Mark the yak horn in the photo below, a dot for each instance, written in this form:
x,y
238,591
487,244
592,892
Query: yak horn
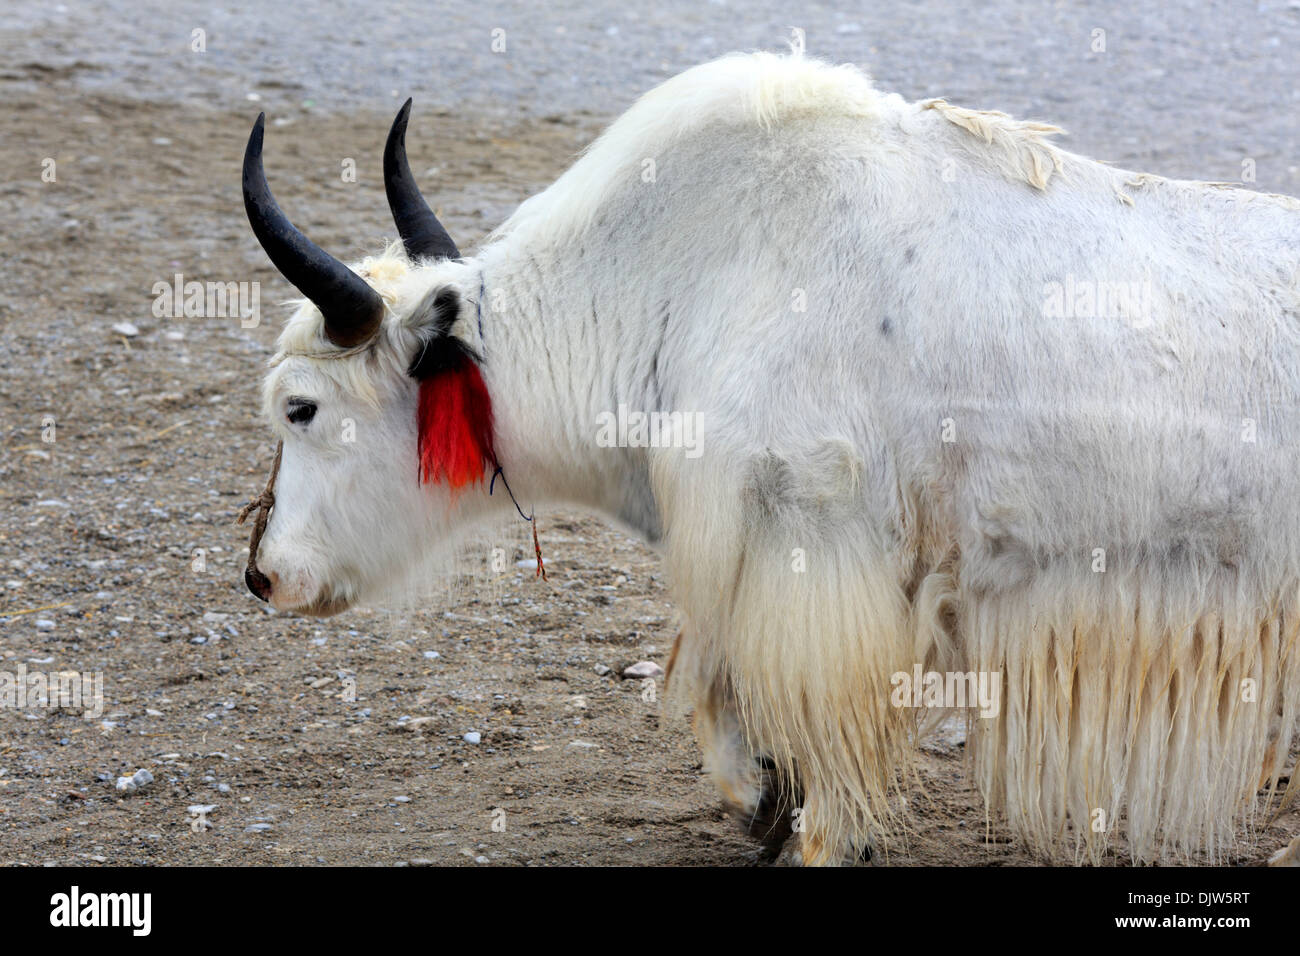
x,y
352,309
422,234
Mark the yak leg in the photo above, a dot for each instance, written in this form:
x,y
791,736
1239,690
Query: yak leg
x,y
756,793
1287,856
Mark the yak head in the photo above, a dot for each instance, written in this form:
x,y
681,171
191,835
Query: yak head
x,y
377,397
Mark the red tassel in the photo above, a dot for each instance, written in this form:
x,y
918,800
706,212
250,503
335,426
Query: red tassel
x,y
455,423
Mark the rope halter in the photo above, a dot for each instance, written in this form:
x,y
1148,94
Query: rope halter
x,y
258,582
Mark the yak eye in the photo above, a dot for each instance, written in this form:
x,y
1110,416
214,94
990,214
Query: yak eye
x,y
301,411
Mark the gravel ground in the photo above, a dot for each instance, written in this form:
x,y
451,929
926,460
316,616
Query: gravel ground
x,y
345,740
1182,88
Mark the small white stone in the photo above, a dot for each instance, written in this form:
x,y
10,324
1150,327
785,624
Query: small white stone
x,y
473,737
126,328
414,724
137,781
643,669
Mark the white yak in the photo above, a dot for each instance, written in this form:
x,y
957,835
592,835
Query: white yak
x,y
966,403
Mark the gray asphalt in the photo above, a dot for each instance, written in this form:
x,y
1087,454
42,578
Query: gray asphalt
x,y
1182,88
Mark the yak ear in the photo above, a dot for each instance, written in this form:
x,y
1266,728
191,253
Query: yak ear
x,y
439,350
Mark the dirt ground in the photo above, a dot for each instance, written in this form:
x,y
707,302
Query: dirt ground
x,y
315,742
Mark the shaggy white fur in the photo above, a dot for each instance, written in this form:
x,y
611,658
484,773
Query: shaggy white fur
x,y
961,408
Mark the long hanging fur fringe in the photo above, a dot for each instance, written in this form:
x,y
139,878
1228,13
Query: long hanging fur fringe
x,y
1144,706
1146,702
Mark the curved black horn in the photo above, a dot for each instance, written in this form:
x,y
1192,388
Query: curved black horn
x,y
422,234
352,309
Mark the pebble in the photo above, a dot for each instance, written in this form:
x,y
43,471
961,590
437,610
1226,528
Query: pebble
x,y
137,781
602,670
414,724
126,328
257,828
473,737
401,799
642,670
44,624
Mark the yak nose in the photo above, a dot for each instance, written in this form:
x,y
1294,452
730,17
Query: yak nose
x,y
258,583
